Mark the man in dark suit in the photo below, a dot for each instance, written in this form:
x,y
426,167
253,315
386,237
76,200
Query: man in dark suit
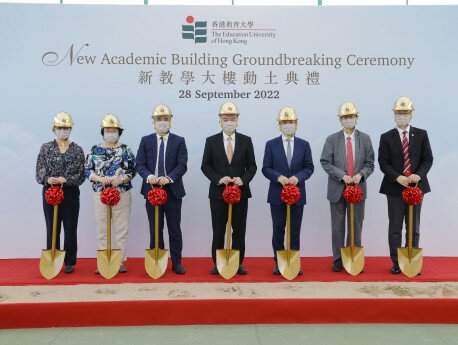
x,y
229,158
287,160
405,157
162,159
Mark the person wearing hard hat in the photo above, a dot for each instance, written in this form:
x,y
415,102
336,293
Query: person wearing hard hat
x,y
157,168
405,158
61,162
229,158
287,161
112,164
347,158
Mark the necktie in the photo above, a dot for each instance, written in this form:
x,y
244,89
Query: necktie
x,y
229,150
160,163
288,153
350,168
405,150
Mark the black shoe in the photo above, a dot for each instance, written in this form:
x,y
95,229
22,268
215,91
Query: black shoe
x,y
395,269
122,269
69,269
241,271
300,273
276,271
178,269
336,268
214,270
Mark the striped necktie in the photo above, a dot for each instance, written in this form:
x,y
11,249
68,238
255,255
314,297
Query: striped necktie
x,y
405,149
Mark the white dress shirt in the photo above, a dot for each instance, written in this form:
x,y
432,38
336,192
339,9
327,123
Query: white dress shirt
x,y
401,135
352,140
166,139
225,136
285,145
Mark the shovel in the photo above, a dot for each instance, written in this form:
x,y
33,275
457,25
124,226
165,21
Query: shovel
x,y
228,260
108,260
288,261
156,259
352,257
410,259
51,260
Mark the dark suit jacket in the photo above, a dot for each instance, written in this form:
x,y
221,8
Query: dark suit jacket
x,y
176,159
391,159
275,164
215,164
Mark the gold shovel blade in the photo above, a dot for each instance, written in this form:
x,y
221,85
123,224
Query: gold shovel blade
x,y
227,268
108,266
49,266
356,265
289,270
410,267
156,269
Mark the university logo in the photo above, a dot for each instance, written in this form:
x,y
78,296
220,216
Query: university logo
x,y
196,31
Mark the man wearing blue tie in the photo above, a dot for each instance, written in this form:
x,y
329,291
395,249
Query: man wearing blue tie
x,y
287,160
162,159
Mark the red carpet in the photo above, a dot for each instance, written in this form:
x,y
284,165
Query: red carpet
x,y
26,272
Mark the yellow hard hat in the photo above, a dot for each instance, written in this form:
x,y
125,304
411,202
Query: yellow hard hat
x,y
62,119
287,113
161,110
403,104
347,108
228,108
110,121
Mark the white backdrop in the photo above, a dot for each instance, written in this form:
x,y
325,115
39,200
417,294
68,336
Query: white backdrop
x,y
32,92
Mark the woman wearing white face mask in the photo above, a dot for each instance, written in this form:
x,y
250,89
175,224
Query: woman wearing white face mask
x,y
61,162
112,164
348,158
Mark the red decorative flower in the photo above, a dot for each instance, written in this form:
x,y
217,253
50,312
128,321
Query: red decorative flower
x,y
353,194
412,195
290,194
157,196
232,194
110,196
54,195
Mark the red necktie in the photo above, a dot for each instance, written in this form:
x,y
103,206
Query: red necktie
x,y
349,158
405,150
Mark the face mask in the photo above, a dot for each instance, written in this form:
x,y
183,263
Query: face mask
x,y
62,133
348,123
288,129
162,126
229,126
402,120
111,138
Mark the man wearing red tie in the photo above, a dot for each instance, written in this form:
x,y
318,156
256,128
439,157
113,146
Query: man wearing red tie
x,y
405,157
347,158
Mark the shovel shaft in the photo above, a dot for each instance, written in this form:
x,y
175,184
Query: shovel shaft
x,y
109,231
228,232
54,231
410,225
352,230
156,233
288,231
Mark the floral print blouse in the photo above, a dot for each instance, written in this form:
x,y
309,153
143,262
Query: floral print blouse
x,y
107,161
53,163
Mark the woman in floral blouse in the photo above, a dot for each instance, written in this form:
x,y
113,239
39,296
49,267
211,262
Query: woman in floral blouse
x,y
61,162
112,164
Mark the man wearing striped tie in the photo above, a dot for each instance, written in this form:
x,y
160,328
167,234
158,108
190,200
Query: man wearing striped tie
x,y
405,157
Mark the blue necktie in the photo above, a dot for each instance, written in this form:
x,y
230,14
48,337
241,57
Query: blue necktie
x,y
160,164
289,156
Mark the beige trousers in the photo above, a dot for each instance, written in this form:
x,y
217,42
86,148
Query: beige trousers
x,y
119,222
